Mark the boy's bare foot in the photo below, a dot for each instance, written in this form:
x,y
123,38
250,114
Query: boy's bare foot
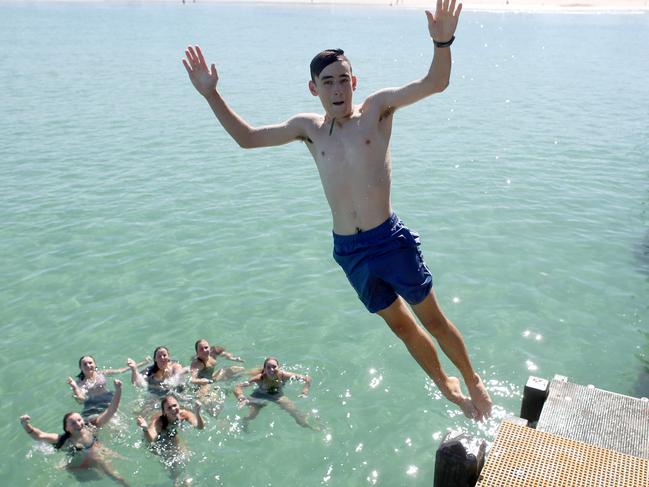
x,y
479,397
454,394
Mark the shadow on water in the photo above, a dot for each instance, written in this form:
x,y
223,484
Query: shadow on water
x,y
642,254
641,388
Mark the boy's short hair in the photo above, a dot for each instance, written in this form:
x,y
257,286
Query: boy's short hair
x,y
324,59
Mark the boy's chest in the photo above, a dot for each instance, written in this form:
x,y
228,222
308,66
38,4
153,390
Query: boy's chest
x,y
354,141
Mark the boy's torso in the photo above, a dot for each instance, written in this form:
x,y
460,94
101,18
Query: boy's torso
x,y
353,158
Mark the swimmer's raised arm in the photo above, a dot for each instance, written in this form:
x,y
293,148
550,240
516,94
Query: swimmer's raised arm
x,y
150,431
136,377
35,433
121,370
77,392
195,418
106,416
441,27
205,79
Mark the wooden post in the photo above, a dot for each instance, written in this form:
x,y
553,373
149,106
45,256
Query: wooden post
x,y
534,395
458,461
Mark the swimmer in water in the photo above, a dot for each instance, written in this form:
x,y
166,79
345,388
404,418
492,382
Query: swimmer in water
x,y
204,372
79,440
162,433
270,388
161,378
203,366
89,387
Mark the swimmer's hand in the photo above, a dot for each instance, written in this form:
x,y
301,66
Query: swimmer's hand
x,y
130,363
24,421
442,25
77,392
118,384
141,422
243,401
203,78
197,406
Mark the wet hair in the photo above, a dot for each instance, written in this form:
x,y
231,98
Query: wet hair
x,y
66,434
81,375
152,369
324,59
163,418
263,367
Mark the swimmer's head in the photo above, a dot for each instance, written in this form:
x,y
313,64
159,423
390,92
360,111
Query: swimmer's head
x,y
87,365
72,422
333,82
161,356
270,367
170,407
202,348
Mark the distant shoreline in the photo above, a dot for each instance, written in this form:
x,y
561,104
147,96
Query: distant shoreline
x,y
548,6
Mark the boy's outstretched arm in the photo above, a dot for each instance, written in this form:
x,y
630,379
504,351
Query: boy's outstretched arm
x,y
205,79
441,27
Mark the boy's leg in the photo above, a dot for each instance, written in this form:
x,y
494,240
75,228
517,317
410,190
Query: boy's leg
x,y
421,347
452,344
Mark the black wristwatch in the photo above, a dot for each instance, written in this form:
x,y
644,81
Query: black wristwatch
x,y
444,44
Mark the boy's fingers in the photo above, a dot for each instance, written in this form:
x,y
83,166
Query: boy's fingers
x,y
189,70
201,59
191,55
452,7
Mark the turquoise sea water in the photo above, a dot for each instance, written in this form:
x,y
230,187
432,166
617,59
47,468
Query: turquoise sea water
x,y
129,219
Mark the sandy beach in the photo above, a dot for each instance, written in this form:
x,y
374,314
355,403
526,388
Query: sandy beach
x,y
549,6
495,5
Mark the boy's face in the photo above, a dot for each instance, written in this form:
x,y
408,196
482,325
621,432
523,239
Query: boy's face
x,y
335,87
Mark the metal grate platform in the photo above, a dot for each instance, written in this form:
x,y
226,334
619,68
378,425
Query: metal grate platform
x,y
598,417
525,457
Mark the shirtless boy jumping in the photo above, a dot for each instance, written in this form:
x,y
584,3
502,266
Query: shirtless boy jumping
x,y
350,146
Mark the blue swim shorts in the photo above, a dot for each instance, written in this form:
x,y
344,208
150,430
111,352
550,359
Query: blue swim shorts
x,y
383,263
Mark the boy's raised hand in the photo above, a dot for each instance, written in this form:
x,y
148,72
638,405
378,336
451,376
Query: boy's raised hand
x,y
203,78
442,25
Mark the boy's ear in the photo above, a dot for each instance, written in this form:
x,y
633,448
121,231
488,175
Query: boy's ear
x,y
353,82
312,88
